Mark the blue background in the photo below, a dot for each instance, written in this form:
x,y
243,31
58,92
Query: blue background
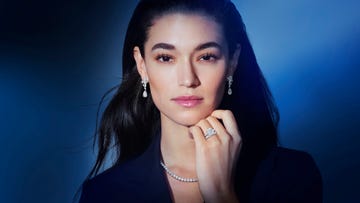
x,y
57,58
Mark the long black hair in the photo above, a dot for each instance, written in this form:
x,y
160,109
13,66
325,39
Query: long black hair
x,y
129,121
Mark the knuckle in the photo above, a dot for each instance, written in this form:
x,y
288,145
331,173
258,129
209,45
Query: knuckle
x,y
212,119
227,112
237,139
227,138
203,149
239,143
214,144
201,122
196,130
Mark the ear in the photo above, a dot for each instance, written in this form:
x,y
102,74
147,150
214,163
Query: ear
x,y
234,60
140,63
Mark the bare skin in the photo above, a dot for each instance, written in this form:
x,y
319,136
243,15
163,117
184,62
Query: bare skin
x,y
187,56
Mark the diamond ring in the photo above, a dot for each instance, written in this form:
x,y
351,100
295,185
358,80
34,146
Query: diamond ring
x,y
209,133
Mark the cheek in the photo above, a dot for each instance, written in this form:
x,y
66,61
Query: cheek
x,y
159,84
215,83
218,90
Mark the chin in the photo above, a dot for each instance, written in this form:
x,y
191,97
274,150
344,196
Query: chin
x,y
190,120
186,117
188,123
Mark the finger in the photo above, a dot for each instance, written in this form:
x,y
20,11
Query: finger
x,y
226,138
198,136
229,122
205,126
223,135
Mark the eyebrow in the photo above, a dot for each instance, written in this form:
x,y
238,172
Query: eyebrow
x,y
208,45
198,48
163,46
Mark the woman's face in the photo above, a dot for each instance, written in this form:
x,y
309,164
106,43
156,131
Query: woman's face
x,y
186,63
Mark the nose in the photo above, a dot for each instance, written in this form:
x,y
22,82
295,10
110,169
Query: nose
x,y
187,75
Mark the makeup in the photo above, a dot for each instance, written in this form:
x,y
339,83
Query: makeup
x,y
188,101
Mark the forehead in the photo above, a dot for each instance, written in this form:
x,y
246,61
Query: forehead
x,y
185,30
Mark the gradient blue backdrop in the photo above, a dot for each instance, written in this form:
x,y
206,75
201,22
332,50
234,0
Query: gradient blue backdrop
x,y
57,58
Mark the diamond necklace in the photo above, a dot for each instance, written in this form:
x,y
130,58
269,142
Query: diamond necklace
x,y
176,177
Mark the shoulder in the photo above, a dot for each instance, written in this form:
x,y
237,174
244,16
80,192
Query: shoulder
x,y
125,182
290,160
109,185
289,166
289,176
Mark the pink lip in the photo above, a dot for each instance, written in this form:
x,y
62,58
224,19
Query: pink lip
x,y
188,101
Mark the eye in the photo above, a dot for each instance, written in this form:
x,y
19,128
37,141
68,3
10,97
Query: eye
x,y
164,58
208,57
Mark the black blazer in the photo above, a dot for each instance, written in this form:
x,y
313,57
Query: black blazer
x,y
285,176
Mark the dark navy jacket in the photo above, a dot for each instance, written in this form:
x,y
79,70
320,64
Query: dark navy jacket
x,y
285,176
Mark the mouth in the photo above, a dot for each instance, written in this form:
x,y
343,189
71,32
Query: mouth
x,y
188,101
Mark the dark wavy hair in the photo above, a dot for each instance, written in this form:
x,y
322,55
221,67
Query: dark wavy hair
x,y
129,122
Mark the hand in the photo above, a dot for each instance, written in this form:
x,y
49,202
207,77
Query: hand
x,y
216,157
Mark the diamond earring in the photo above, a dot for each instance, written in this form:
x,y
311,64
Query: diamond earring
x,y
230,81
144,84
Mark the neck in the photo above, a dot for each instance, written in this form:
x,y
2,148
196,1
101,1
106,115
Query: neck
x,y
177,147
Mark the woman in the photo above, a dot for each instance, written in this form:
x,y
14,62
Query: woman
x,y
193,119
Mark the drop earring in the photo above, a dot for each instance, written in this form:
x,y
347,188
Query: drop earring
x,y
144,84
230,81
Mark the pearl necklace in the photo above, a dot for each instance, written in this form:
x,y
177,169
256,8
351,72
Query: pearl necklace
x,y
176,177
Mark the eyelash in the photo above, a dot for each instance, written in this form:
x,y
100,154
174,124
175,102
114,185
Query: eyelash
x,y
210,56
161,58
165,58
